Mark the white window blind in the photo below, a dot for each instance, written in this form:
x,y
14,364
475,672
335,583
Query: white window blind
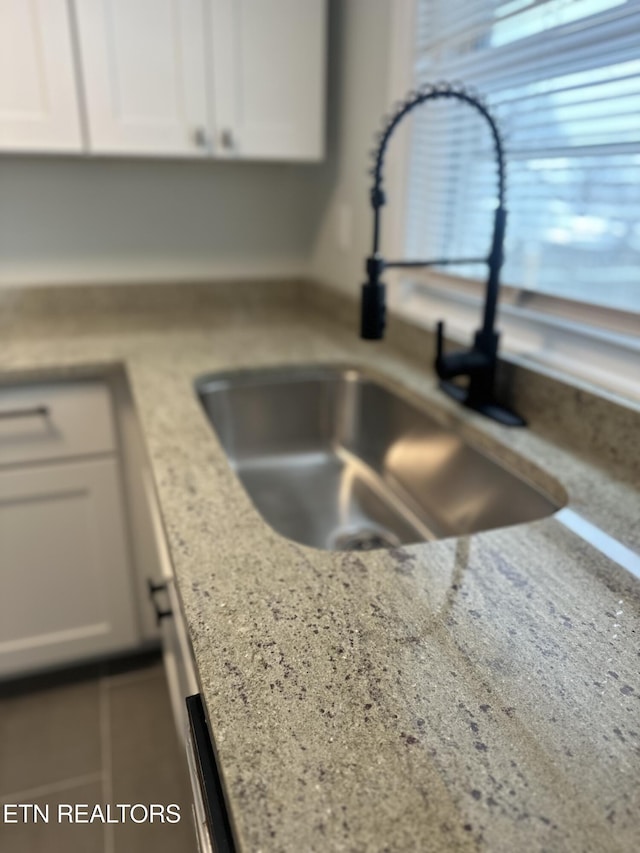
x,y
562,77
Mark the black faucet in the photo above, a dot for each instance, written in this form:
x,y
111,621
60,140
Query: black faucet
x,y
479,362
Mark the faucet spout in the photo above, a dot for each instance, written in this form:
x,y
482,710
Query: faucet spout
x,y
479,362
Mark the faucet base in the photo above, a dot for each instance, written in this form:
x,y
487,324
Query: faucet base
x,y
488,408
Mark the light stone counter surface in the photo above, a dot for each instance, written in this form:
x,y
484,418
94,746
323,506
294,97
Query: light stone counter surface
x,y
479,693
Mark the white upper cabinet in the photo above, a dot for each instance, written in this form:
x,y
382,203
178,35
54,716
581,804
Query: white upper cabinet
x,y
144,76
39,108
180,78
268,88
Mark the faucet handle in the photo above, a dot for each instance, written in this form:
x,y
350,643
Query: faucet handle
x,y
456,363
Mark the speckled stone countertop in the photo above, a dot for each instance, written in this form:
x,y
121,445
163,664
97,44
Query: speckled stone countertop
x,y
478,693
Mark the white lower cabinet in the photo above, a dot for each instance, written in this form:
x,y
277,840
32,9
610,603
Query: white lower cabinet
x,y
85,569
67,587
65,577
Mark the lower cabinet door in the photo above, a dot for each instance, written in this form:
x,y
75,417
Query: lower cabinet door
x,y
65,582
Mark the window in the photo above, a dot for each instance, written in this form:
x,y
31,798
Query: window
x,y
562,78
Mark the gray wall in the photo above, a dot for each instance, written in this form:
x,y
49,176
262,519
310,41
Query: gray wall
x,y
362,53
101,220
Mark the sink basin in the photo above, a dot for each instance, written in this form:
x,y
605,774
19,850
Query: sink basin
x,y
336,459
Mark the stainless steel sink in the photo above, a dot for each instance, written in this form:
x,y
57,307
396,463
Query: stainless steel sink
x,y
336,459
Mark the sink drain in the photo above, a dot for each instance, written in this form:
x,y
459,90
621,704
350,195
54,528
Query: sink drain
x,y
365,540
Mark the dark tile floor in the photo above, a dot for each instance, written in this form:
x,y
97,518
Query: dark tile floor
x,y
102,734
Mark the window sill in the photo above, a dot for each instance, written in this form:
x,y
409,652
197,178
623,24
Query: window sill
x,y
536,330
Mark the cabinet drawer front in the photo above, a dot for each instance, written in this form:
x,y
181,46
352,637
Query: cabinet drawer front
x,y
48,422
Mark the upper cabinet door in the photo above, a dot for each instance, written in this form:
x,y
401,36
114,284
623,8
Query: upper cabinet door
x,y
38,97
269,60
143,68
